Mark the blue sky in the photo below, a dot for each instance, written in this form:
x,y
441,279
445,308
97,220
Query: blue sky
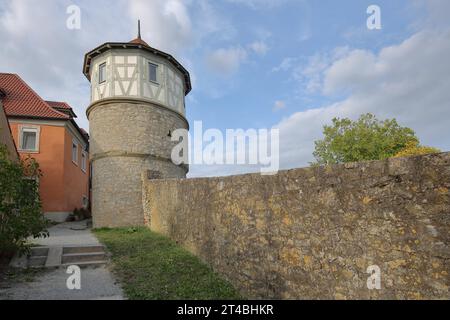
x,y
288,64
291,30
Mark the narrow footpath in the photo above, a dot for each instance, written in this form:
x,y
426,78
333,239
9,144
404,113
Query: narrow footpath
x,y
69,244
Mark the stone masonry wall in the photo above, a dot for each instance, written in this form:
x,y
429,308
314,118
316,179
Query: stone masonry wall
x,y
312,233
127,138
117,189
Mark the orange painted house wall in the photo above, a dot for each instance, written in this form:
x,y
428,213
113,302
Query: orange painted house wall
x,y
63,183
76,182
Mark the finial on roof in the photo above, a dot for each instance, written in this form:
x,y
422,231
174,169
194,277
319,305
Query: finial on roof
x,y
139,29
139,40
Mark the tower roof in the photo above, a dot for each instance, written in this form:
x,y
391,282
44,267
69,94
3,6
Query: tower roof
x,y
137,43
139,40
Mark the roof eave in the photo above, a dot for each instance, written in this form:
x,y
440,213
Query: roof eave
x,y
22,116
85,138
125,45
72,120
70,112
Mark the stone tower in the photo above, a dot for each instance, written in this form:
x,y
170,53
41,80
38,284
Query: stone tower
x,y
137,101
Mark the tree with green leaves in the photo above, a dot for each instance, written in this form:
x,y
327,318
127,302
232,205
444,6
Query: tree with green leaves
x,y
20,207
415,149
364,139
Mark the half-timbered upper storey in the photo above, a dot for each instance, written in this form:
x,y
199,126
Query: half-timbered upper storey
x,y
136,70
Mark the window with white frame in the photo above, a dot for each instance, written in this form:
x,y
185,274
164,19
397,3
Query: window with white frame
x,y
29,139
75,152
102,73
83,161
153,72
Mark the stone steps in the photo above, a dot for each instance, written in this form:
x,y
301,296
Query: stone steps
x,y
83,249
57,256
39,251
75,258
86,264
37,261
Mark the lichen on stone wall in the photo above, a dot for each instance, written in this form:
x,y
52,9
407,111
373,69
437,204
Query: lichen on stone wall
x,y
312,233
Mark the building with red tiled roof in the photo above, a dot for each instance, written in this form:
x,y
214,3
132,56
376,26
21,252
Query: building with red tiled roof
x,y
6,138
21,101
62,107
47,131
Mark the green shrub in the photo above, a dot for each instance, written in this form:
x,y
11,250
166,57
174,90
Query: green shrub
x,y
80,214
77,214
20,206
415,149
86,213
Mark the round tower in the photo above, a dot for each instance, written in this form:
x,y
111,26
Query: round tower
x,y
137,101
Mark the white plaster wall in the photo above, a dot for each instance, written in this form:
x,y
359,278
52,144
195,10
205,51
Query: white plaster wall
x,y
127,76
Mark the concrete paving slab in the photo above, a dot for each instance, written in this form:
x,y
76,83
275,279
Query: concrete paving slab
x,y
68,233
96,284
54,257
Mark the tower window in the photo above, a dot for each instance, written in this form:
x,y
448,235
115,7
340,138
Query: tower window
x,y
152,72
102,73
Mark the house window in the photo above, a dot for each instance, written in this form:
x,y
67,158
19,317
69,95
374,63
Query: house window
x,y
153,72
83,161
74,152
29,139
102,73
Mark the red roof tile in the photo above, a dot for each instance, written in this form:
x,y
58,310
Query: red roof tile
x,y
59,104
139,41
20,100
62,107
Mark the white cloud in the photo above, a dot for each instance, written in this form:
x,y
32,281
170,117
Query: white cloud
x,y
437,13
46,54
279,105
166,24
226,61
259,47
285,65
260,4
408,81
210,23
36,44
309,72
